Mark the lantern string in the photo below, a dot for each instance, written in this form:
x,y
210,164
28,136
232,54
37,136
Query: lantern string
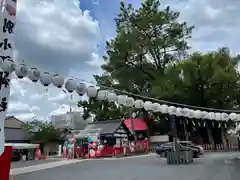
x,y
158,100
149,98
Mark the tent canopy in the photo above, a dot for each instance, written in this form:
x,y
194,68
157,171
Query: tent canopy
x,y
138,124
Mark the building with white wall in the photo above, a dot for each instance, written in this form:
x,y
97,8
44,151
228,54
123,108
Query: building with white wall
x,y
72,120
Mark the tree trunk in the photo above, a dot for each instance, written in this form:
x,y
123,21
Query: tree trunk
x,y
185,131
210,137
224,138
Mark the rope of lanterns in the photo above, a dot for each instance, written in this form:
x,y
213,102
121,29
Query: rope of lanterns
x,y
72,85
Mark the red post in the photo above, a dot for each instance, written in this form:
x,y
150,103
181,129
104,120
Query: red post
x,y
146,148
5,163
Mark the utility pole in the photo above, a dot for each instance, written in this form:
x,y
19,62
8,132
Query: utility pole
x,y
70,105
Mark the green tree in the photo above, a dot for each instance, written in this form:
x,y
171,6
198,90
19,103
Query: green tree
x,y
206,80
41,132
148,40
102,110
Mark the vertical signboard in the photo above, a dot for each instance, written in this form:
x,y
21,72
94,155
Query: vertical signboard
x,y
7,24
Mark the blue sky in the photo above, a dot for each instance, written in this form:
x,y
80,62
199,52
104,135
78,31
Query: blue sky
x,y
104,11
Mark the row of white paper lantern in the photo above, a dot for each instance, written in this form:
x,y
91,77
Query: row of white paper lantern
x,y
164,109
45,78
71,85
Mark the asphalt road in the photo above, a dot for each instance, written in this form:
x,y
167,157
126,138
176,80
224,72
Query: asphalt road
x,y
215,166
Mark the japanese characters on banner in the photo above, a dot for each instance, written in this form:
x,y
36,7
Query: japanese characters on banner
x,y
7,21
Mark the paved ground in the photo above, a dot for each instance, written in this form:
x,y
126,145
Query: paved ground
x,y
30,163
215,166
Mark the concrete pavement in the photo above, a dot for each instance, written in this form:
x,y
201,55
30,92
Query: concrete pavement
x,y
20,164
214,166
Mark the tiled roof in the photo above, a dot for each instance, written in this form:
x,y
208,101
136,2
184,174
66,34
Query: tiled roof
x,y
104,126
10,117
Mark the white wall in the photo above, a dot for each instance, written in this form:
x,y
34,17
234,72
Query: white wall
x,y
158,139
71,120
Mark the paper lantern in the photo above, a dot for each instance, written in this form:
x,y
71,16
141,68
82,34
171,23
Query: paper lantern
x,y
92,91
121,99
21,71
130,102
233,116
46,79
57,81
81,89
238,117
185,112
8,65
190,113
179,111
102,95
70,85
172,110
139,104
148,105
112,97
224,117
34,74
155,107
164,109
211,116
218,116
197,114
204,114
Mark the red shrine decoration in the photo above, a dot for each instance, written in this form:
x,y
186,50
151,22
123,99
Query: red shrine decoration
x,y
5,163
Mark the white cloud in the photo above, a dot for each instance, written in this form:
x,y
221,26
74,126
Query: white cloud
x,y
26,116
21,107
58,97
58,38
96,60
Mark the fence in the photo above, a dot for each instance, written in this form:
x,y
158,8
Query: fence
x,y
209,148
220,147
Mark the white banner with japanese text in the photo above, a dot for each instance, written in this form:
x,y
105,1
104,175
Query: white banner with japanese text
x,y
7,21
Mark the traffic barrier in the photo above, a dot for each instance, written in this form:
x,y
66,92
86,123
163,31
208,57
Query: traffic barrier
x,y
180,157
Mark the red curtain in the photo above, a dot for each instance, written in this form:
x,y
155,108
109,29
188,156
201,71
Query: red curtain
x,y
139,124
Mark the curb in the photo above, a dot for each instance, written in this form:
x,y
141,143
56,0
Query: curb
x,y
39,167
